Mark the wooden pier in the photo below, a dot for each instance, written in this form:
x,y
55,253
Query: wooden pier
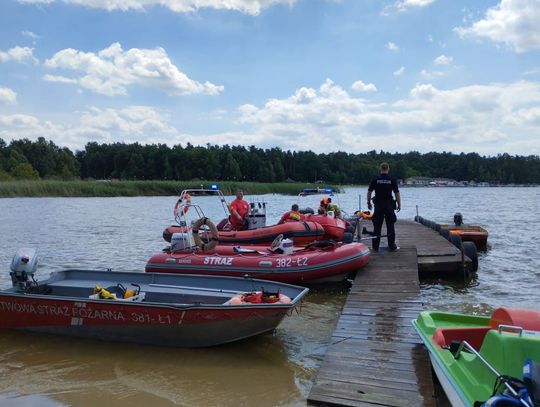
x,y
436,255
375,358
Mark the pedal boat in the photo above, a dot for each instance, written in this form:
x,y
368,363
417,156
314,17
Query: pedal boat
x,y
461,347
165,309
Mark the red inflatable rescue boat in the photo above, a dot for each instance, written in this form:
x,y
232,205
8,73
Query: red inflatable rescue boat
x,y
302,233
312,264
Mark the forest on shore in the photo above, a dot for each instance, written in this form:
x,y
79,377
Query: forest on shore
x,y
24,159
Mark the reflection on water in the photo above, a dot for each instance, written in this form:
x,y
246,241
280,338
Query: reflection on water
x,y
122,233
272,369
78,371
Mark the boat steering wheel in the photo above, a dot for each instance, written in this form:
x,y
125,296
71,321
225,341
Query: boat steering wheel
x,y
277,241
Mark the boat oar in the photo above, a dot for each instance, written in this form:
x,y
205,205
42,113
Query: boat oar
x,y
183,287
372,237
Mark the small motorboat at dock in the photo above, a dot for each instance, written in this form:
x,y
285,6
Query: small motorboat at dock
x,y
468,233
148,308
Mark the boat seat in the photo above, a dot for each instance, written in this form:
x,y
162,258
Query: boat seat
x,y
524,318
507,351
443,337
136,298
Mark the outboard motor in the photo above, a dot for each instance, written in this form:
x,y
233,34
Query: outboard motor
x,y
23,267
181,241
458,219
256,216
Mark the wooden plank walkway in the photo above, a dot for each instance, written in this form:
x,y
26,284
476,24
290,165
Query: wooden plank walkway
x,y
435,253
375,357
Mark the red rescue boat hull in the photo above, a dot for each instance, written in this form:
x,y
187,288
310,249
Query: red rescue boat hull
x,y
334,228
310,265
301,233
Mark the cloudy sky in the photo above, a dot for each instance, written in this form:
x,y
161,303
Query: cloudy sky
x,y
324,75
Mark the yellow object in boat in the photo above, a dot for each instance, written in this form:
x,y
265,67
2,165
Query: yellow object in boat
x,y
103,293
129,293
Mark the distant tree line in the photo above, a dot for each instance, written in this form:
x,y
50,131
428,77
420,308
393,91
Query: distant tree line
x,y
25,159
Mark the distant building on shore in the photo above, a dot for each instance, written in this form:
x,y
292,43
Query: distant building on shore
x,y
434,182
418,181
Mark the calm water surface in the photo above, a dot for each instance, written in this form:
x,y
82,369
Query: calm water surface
x,y
122,233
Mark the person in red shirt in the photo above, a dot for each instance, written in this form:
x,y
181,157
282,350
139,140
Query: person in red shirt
x,y
292,216
239,210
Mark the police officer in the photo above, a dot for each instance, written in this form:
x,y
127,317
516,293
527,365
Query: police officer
x,y
384,185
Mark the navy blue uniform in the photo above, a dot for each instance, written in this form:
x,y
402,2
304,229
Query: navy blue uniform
x,y
384,185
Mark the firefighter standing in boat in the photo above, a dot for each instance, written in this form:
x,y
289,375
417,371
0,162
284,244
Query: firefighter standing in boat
x,y
239,210
384,185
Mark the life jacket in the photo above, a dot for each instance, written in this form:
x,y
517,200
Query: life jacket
x,y
103,293
364,215
294,216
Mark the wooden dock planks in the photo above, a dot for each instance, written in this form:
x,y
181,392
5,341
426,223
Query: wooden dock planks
x,y
374,357
435,253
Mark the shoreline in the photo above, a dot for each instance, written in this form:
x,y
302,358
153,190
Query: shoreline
x,y
116,188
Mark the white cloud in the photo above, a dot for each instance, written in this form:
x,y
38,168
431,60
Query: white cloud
x,y
7,96
391,46
58,78
142,124
30,34
132,120
490,119
18,54
112,70
400,71
403,5
364,87
525,117
515,23
431,74
253,7
130,124
443,60
534,71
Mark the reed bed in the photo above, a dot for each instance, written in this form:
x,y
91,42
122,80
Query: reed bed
x,y
79,188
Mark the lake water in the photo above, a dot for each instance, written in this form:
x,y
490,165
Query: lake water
x,y
273,370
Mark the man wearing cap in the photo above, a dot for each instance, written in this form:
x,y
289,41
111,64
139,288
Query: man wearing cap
x,y
384,185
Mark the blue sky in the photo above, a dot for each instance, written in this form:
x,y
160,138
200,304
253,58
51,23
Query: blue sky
x,y
324,75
